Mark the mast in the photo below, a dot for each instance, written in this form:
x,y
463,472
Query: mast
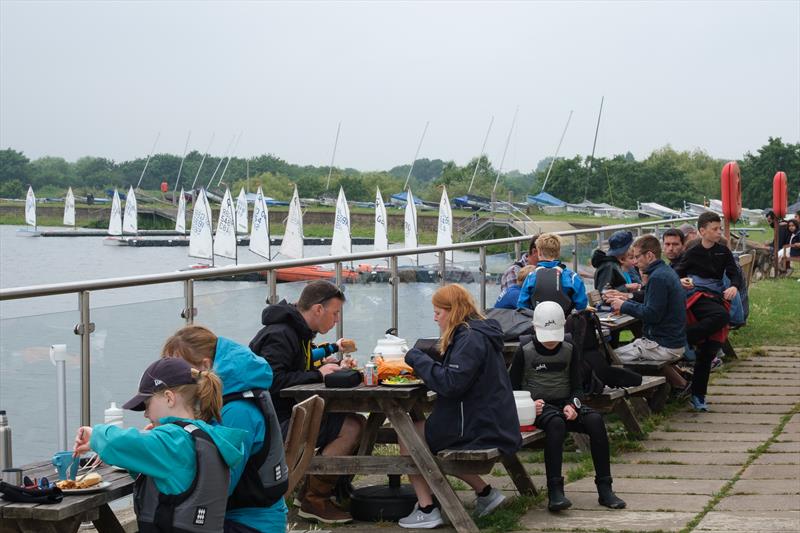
x,y
180,168
594,144
410,170
230,155
480,156
333,156
148,159
203,160
557,149
219,164
505,150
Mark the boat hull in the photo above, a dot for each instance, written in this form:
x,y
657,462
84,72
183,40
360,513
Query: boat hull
x,y
312,272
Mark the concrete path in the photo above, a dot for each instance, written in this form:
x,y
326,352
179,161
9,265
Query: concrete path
x,y
735,469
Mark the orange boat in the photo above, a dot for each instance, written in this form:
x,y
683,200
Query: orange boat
x,y
312,272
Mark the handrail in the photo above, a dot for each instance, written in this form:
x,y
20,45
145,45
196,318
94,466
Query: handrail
x,y
33,291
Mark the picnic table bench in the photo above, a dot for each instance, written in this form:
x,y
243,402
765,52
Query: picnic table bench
x,y
401,405
66,516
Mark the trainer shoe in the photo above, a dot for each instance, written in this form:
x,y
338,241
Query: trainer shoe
x,y
419,520
716,363
699,404
486,504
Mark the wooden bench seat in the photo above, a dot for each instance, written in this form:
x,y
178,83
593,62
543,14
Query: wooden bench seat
x,y
631,403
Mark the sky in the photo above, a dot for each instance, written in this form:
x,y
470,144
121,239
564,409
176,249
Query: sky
x,y
107,78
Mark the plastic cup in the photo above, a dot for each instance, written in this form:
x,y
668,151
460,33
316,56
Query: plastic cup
x,y
66,465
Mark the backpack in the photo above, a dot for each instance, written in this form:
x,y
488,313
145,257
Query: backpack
x,y
548,289
513,322
596,359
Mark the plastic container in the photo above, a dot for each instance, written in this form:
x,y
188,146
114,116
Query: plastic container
x,y
113,415
526,409
391,346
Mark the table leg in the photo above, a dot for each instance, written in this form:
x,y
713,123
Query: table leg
x,y
428,467
623,410
374,423
107,522
659,399
522,480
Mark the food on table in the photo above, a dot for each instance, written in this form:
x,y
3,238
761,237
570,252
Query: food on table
x,y
89,480
402,380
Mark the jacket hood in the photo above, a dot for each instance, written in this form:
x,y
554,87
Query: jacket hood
x,y
228,440
239,368
599,257
286,313
491,329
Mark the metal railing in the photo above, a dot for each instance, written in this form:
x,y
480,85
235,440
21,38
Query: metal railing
x,y
84,288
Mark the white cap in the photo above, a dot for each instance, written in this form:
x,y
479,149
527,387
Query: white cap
x,y
548,322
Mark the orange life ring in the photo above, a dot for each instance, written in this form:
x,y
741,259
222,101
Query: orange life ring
x,y
780,195
731,185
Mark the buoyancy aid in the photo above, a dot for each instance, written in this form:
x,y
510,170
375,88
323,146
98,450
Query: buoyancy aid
x,y
548,289
546,376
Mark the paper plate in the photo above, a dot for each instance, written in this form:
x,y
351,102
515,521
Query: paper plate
x,y
103,485
406,384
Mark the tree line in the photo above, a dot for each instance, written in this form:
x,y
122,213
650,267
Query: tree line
x,y
665,176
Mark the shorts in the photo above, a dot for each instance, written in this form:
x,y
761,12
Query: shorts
x,y
646,350
329,428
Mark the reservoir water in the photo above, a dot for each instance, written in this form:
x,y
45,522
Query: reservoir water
x,y
132,324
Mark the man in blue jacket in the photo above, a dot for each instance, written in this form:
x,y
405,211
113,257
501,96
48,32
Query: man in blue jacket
x,y
663,312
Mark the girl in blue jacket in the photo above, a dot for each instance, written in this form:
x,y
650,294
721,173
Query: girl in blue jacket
x,y
180,402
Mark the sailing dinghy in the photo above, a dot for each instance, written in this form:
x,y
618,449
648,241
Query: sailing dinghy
x,y
381,229
225,238
241,213
259,234
30,216
115,223
180,217
69,209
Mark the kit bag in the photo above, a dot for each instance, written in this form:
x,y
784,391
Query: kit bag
x,y
513,322
343,379
12,493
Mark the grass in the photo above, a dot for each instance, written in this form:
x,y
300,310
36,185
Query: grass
x,y
773,310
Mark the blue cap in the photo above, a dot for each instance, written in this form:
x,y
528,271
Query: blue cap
x,y
619,242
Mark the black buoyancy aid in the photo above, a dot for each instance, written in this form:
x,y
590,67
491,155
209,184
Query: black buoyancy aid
x,y
199,508
265,478
546,376
548,289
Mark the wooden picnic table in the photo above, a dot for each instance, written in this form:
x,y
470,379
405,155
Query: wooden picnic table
x,y
66,516
616,323
401,406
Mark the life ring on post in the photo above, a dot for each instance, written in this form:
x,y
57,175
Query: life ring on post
x,y
731,185
780,195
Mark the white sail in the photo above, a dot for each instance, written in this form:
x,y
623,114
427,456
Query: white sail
x,y
259,234
292,245
201,242
115,222
130,223
30,208
225,238
241,212
69,208
180,218
444,233
381,223
410,222
341,242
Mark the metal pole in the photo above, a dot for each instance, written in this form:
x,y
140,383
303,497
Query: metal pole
x,y
85,329
442,266
58,355
416,154
517,250
547,176
272,281
482,269
394,281
333,157
189,312
505,150
480,156
775,232
575,253
340,323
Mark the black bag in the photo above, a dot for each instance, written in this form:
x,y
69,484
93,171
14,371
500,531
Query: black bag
x,y
12,493
596,369
343,379
513,322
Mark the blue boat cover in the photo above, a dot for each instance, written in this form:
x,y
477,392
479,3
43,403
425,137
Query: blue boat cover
x,y
544,198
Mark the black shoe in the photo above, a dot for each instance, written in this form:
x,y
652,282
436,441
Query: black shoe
x,y
606,495
556,500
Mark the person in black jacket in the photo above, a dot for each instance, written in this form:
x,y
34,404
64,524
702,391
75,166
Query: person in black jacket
x,y
608,272
475,406
286,343
548,367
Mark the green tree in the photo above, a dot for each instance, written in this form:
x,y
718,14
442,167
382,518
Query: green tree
x,y
12,189
14,166
758,171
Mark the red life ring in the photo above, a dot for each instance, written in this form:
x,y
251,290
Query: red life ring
x,y
164,186
731,185
780,195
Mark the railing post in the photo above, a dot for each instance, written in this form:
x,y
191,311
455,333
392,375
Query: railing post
x,y
189,311
340,323
272,280
442,267
517,250
85,328
482,269
575,253
394,281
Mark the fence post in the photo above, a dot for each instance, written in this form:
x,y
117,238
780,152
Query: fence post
x,y
517,250
394,281
85,329
340,323
575,253
189,311
442,267
483,277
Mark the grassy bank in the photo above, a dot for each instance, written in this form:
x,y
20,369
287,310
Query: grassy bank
x,y
773,314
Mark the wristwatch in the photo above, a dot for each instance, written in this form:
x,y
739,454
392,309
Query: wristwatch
x,y
576,403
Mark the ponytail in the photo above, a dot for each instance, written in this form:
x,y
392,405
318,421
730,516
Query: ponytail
x,y
205,396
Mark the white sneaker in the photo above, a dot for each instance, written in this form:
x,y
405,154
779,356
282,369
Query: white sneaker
x,y
486,504
418,519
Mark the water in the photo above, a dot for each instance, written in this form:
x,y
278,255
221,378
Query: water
x,y
132,323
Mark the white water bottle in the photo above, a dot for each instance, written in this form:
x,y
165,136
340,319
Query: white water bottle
x,y
114,415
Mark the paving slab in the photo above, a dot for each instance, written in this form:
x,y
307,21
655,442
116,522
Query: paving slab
x,y
688,458
766,486
652,486
756,400
778,409
749,380
762,429
779,459
604,520
587,501
727,418
674,471
698,446
769,472
715,390
760,502
781,447
709,436
751,521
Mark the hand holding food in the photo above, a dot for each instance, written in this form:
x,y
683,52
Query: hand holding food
x,y
82,440
346,345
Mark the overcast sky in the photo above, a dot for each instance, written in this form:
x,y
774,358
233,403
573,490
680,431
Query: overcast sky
x,y
92,78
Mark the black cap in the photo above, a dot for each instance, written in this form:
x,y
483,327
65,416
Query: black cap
x,y
619,242
164,374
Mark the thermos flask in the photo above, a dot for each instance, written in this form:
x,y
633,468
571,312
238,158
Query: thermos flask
x,y
5,442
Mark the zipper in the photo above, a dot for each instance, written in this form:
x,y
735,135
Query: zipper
x,y
461,404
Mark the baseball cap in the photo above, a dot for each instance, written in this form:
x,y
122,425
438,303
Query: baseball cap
x,y
164,374
548,322
619,242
